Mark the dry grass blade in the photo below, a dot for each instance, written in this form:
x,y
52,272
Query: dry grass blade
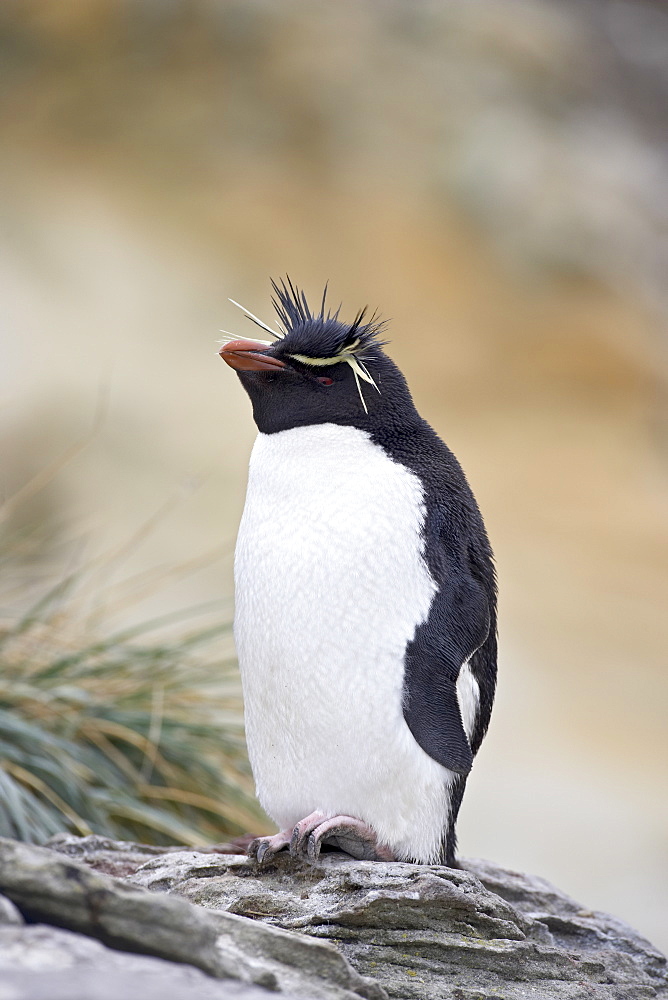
x,y
118,735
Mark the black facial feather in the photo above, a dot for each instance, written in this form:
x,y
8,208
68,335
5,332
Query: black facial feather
x,y
320,334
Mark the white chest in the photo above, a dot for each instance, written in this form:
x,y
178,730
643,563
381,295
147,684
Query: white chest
x,y
331,584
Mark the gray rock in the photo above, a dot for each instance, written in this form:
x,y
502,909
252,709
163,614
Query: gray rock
x,y
50,888
87,984
417,931
570,924
47,963
9,914
427,931
121,857
111,857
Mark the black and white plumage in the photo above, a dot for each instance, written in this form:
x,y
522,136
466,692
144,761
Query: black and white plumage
x,y
365,615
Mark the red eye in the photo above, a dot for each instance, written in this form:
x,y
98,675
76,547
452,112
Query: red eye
x,y
325,381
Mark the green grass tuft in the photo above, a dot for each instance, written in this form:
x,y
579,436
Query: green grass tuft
x,y
121,736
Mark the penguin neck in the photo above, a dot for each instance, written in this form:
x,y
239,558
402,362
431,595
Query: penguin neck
x,y
378,428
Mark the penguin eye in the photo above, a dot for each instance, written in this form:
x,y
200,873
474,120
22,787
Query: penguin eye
x,y
325,380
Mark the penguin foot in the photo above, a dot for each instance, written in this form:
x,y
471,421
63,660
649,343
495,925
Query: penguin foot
x,y
264,848
302,832
346,833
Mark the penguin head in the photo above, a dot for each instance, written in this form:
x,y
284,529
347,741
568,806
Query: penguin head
x,y
318,368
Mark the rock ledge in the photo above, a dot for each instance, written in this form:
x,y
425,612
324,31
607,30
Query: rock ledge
x,y
339,930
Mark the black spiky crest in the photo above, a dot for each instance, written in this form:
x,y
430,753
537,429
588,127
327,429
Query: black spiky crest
x,y
322,334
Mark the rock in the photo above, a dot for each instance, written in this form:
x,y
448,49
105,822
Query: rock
x,y
47,963
568,921
121,857
9,914
414,931
87,984
47,887
111,857
427,931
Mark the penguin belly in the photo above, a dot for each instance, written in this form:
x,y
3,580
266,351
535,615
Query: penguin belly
x,y
331,584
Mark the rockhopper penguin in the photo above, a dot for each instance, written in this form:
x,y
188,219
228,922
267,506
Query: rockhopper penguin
x,y
365,618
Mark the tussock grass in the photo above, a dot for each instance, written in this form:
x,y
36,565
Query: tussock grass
x,y
119,735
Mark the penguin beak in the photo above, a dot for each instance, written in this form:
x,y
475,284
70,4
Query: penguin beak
x,y
248,356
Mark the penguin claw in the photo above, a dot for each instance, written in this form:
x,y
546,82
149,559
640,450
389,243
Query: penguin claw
x,y
264,848
301,832
313,846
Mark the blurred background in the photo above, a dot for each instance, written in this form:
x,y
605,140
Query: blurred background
x,y
492,176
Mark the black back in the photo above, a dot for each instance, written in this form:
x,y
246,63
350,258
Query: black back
x,y
462,620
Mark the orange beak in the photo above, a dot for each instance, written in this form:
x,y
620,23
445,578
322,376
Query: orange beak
x,y
247,356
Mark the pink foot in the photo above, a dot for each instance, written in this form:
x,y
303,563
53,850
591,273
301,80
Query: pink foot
x,y
345,832
305,840
264,848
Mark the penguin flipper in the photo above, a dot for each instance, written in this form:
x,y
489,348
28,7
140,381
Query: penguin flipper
x,y
437,726
458,623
